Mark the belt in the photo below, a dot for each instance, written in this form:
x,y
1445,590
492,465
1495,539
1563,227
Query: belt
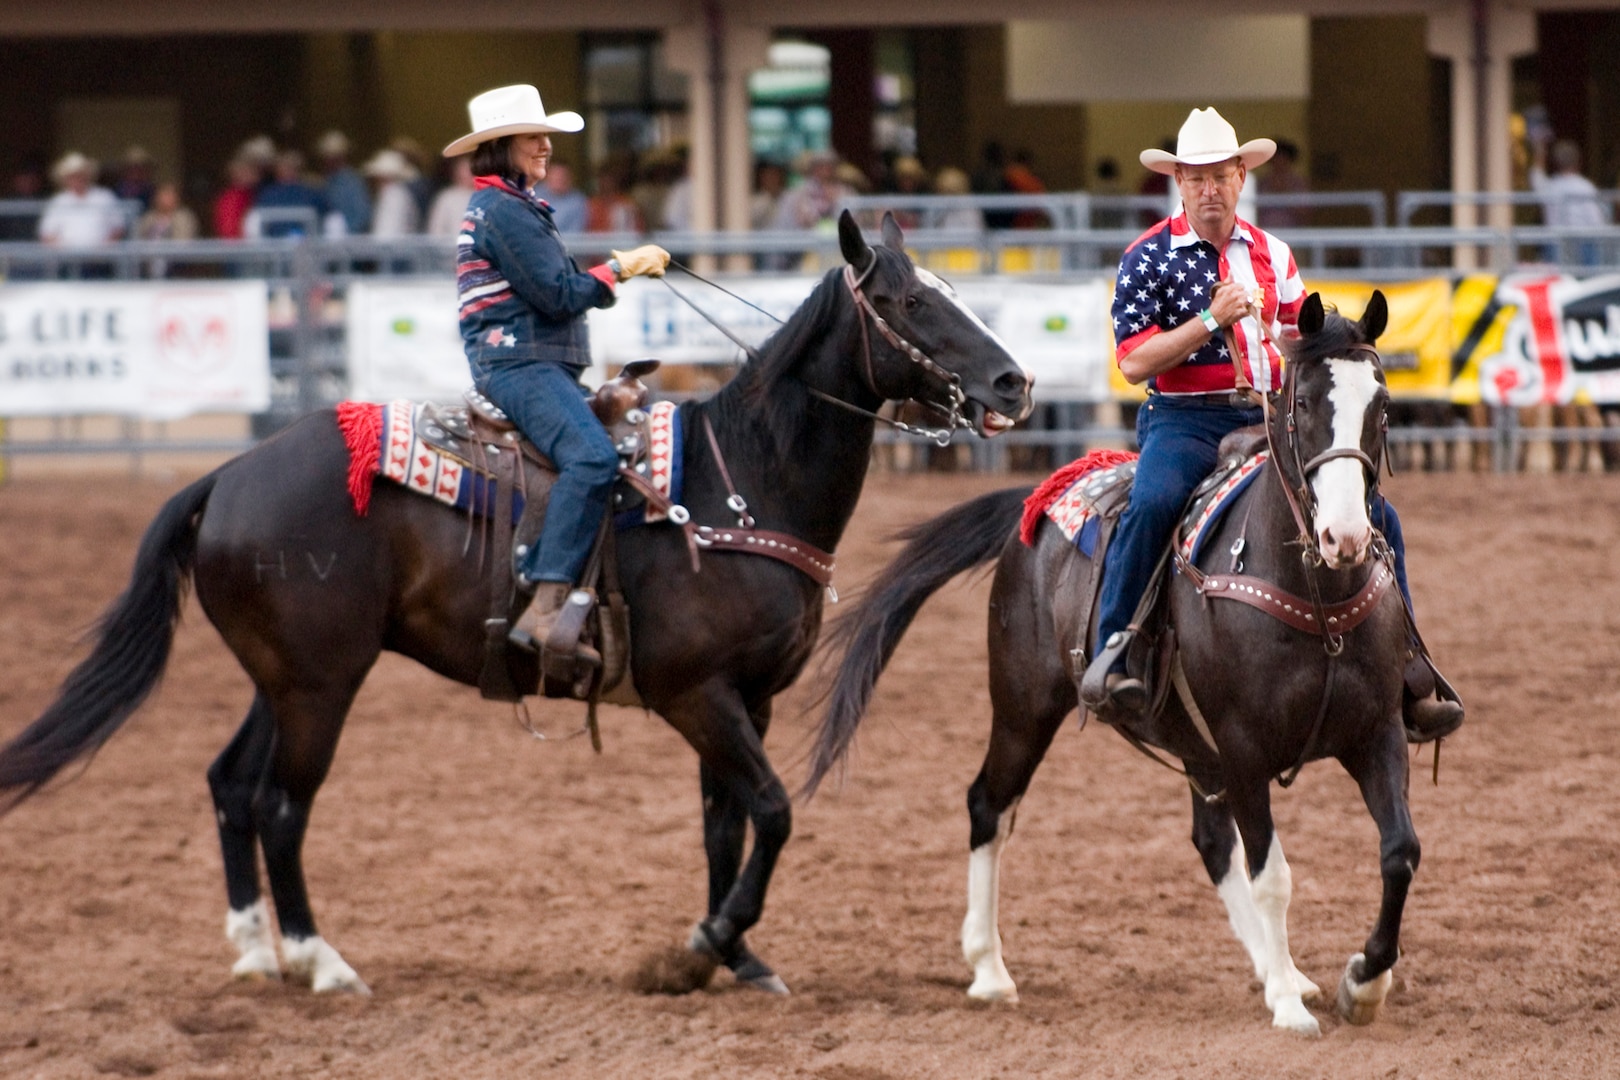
x,y
1230,398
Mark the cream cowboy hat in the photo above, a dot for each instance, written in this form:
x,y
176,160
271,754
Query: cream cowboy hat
x,y
510,110
389,165
1206,138
73,162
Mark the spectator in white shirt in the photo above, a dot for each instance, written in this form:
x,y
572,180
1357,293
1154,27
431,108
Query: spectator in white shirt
x,y
394,213
80,215
450,205
1568,199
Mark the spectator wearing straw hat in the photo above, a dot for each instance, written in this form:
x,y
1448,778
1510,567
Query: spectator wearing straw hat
x,y
395,212
287,206
523,307
81,214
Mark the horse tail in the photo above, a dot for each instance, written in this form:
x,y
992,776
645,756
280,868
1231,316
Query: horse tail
x,y
936,551
132,640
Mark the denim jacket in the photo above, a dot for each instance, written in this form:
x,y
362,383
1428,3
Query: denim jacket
x,y
522,296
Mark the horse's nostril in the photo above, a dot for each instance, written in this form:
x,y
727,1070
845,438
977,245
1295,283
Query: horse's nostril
x,y
1327,538
1011,384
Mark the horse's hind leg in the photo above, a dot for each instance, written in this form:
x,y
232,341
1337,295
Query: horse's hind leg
x,y
725,827
1382,776
233,779
1272,885
1221,847
1030,696
307,728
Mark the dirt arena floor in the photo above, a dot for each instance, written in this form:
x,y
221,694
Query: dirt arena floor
x,y
497,891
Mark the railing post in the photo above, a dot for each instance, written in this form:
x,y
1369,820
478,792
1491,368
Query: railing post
x,y
304,327
1504,448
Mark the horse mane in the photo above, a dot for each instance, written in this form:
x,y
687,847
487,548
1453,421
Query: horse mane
x,y
1337,335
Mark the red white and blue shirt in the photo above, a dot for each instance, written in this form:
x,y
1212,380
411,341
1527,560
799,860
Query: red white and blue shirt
x,y
1165,279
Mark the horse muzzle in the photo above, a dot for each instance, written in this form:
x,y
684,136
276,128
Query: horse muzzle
x,y
1344,547
1014,392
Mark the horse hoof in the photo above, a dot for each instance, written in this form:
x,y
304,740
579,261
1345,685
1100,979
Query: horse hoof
x,y
1004,993
332,983
1359,1001
257,965
328,973
770,982
750,970
1292,1015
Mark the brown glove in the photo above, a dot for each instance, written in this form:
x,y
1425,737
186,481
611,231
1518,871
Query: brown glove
x,y
648,259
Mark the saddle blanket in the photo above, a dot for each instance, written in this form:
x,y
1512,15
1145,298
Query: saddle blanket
x,y
387,440
1072,498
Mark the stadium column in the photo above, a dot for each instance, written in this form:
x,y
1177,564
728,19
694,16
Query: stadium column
x,y
1481,39
717,54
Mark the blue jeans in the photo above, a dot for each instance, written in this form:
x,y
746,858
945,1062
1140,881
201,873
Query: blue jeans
x,y
548,405
1179,439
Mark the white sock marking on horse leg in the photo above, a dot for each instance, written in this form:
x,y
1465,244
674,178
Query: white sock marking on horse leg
x,y
1272,891
249,930
313,959
1341,485
981,938
1359,1002
1236,894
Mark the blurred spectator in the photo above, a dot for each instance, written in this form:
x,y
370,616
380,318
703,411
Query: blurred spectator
x,y
346,191
990,178
1020,179
420,185
395,212
80,214
1107,186
168,218
908,177
1282,177
1568,199
1156,184
235,201
569,206
678,201
286,191
853,178
260,150
770,181
449,205
811,203
610,209
658,171
136,177
28,182
953,181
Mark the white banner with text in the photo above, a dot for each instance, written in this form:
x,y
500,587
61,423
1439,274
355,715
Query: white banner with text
x,y
156,350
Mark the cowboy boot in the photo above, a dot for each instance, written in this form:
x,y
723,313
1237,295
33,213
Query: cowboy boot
x,y
1430,708
1125,698
535,624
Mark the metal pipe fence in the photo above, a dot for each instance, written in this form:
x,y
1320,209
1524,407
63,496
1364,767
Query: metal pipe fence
x,y
307,278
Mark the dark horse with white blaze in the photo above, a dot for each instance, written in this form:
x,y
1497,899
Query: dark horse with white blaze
x,y
710,648
1270,696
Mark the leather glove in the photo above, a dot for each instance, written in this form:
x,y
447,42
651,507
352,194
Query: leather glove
x,y
648,259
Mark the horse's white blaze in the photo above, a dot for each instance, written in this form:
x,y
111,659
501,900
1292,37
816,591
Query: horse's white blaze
x,y
249,930
1342,529
1273,889
943,287
981,937
313,959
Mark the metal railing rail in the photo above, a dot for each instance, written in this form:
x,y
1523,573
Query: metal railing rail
x,y
1409,203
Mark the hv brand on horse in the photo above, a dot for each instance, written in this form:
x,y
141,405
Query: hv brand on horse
x,y
1281,632
712,641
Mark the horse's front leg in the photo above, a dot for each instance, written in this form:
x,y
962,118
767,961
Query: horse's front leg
x,y
1272,885
738,784
1382,775
1221,847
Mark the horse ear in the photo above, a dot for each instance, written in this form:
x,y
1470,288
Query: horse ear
x,y
852,243
1311,316
1376,318
892,236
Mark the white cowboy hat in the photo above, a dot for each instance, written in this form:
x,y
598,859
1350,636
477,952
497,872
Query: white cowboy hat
x,y
73,162
510,110
1206,138
389,165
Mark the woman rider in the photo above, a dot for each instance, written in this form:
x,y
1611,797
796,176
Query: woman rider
x,y
523,305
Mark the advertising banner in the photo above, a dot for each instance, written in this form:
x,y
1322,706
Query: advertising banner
x,y
156,350
1561,344
404,339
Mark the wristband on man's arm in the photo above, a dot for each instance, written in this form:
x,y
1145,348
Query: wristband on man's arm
x,y
1209,321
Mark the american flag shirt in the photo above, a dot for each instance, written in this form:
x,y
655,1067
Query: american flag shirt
x,y
1165,279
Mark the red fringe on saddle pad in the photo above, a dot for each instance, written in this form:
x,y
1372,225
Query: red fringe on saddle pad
x,y
1055,485
361,424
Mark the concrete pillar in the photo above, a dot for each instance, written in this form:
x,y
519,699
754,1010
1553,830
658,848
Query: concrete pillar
x,y
1481,39
717,53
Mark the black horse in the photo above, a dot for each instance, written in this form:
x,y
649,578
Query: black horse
x,y
1264,697
307,594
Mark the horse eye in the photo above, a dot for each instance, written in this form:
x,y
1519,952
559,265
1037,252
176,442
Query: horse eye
x,y
911,301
